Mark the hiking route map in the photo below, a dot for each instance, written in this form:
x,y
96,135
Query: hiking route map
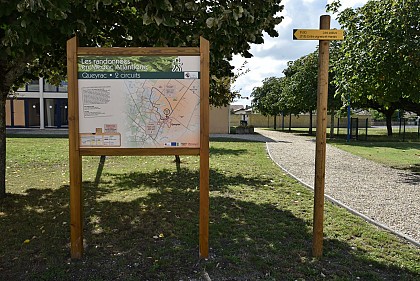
x,y
162,112
139,102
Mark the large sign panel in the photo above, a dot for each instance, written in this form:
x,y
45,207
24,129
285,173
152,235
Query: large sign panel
x,y
139,101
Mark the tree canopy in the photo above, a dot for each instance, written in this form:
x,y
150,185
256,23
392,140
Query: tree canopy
x,y
379,62
33,35
301,83
266,97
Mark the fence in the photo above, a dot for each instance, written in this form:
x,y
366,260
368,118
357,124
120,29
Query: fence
x,y
287,121
361,127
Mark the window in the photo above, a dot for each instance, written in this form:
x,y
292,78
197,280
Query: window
x,y
63,87
49,88
33,86
22,89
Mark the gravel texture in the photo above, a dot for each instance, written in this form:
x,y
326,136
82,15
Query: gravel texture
x,y
387,196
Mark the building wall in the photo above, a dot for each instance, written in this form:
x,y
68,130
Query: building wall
x,y
219,120
234,120
8,113
301,121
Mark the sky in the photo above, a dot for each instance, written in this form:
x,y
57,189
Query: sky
x,y
270,59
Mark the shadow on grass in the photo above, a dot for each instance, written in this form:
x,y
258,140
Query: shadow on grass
x,y
255,137
226,151
185,179
151,233
415,169
396,145
36,133
414,176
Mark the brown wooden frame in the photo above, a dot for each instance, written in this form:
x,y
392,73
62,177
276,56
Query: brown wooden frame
x,y
76,152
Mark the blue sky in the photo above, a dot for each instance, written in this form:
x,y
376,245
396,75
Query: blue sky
x,y
270,58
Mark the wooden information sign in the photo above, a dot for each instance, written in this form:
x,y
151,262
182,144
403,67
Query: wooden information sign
x,y
137,101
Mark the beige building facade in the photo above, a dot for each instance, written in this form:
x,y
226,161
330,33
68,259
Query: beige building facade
x,y
299,121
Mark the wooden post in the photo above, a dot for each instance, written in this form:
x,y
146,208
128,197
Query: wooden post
x,y
204,148
100,169
75,160
321,128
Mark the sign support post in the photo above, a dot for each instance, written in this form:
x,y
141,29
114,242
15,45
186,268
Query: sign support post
x,y
204,149
75,159
324,35
321,129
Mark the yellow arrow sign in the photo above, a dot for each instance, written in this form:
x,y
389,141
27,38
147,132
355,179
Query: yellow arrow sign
x,y
318,34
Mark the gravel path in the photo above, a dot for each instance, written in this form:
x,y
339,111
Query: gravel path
x,y
386,196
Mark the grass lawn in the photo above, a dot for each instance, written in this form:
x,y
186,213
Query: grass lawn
x,y
383,149
399,155
141,221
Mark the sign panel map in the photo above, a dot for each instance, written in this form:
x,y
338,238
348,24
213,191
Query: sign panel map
x,y
162,112
139,102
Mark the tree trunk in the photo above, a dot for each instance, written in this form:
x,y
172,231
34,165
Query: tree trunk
x,y
282,121
178,163
388,116
275,122
290,122
310,122
332,124
2,144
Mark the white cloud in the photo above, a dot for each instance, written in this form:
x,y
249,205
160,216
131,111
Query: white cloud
x,y
270,58
260,68
350,3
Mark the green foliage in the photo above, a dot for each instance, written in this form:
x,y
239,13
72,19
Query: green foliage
x,y
301,83
296,92
265,99
379,62
40,50
220,86
376,115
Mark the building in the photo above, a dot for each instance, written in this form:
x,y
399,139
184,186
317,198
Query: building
x,y
41,105
244,112
38,105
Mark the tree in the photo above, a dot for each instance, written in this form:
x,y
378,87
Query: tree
x,y
301,83
33,35
379,64
266,98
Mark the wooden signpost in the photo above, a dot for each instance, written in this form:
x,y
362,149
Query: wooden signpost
x,y
99,83
324,35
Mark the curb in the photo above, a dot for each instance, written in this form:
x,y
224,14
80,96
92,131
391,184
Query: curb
x,y
353,211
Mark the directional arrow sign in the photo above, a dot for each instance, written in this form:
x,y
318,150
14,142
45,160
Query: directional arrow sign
x,y
318,34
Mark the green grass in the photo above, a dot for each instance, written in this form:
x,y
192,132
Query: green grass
x,y
141,221
388,150
374,134
400,155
